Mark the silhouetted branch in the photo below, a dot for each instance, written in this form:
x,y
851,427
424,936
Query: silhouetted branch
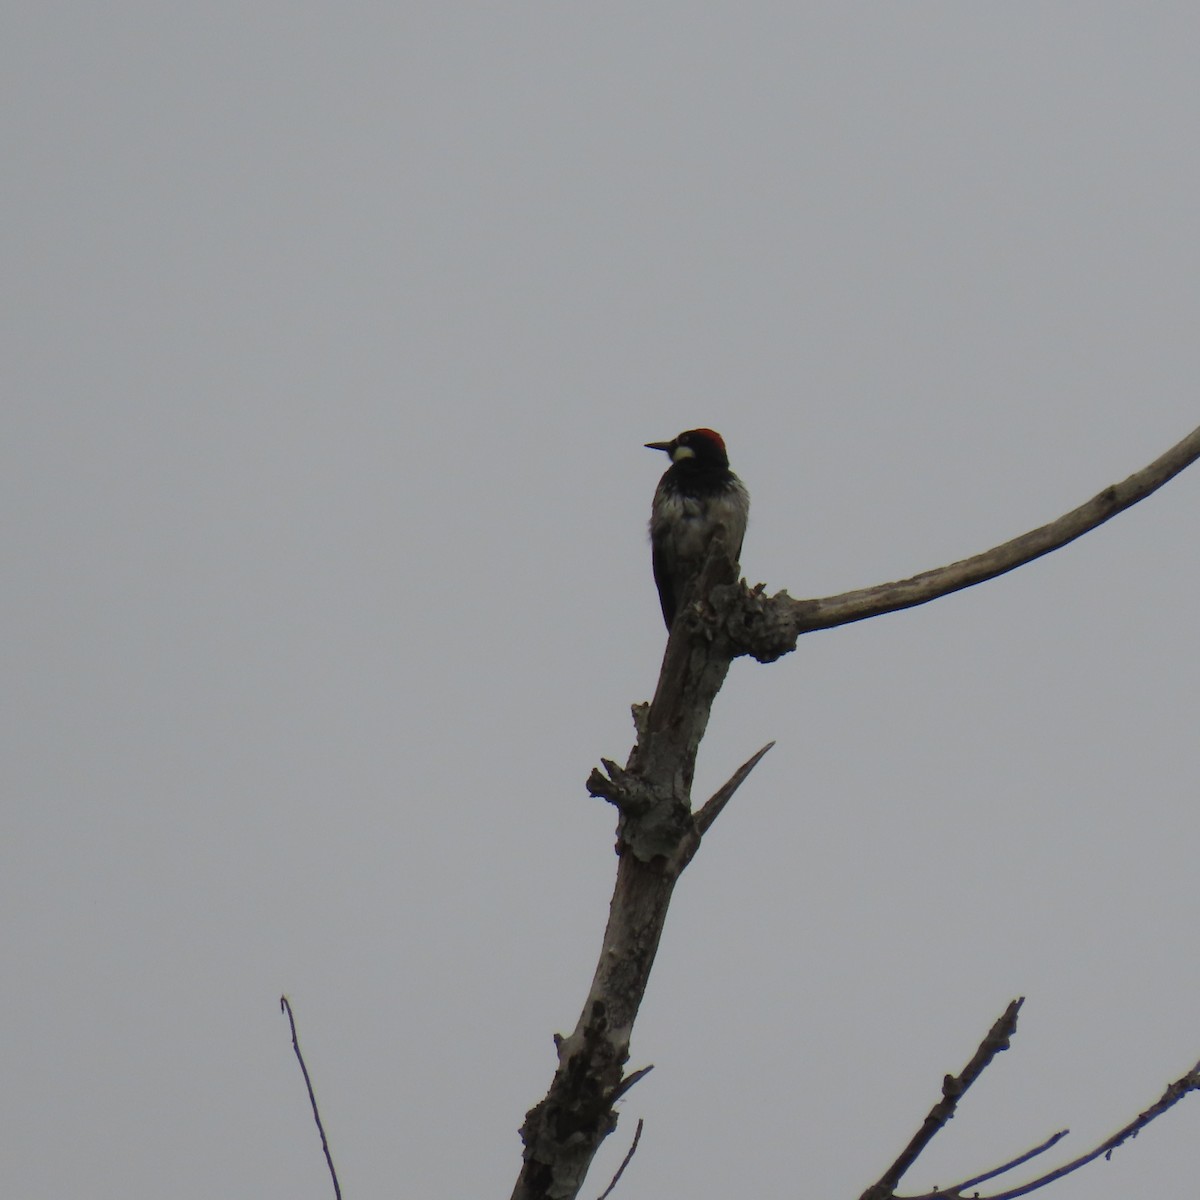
x,y
1174,1092
637,1137
1011,1165
286,1007
953,1088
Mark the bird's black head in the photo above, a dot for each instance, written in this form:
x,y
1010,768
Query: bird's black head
x,y
699,447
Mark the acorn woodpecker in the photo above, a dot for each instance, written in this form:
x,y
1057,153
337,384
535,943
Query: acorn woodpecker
x,y
697,494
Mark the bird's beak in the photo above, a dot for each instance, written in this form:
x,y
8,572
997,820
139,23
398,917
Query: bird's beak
x,y
665,447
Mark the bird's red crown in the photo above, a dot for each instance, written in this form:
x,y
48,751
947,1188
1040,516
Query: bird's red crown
x,y
708,434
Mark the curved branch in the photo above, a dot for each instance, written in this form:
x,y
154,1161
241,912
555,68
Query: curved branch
x,y
768,627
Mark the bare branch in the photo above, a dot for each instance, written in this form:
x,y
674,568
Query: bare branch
x,y
628,1082
953,1088
884,1189
1011,1165
658,831
713,806
637,1137
1174,1092
769,627
285,1006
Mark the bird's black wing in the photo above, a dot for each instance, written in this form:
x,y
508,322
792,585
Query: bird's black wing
x,y
664,581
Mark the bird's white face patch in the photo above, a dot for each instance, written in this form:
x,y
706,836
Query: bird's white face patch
x,y
680,453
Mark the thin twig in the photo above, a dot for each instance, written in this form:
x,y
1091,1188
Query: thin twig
x,y
953,1088
1171,1096
637,1136
1011,1165
286,1007
1190,1082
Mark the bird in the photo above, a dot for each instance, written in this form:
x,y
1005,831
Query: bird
x,y
696,496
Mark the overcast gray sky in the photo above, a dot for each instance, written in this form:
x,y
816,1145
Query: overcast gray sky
x,y
333,335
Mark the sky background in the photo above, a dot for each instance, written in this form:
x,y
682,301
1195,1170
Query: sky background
x,y
332,337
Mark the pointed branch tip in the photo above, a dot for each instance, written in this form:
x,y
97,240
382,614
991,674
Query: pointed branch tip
x,y
713,806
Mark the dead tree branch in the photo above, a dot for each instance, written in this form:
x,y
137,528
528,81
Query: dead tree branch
x,y
658,832
722,796
285,1006
637,1137
954,1087
997,1039
767,627
1174,1092
1012,1163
